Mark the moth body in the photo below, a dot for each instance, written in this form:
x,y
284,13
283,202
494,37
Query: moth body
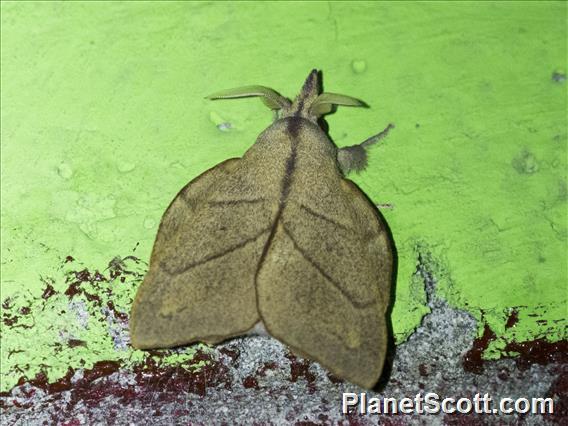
x,y
277,240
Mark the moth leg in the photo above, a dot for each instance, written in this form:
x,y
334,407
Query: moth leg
x,y
355,157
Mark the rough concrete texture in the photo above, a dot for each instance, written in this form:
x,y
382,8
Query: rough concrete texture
x,y
257,380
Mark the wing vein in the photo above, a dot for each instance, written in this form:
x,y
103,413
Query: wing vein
x,y
235,202
327,219
328,277
214,256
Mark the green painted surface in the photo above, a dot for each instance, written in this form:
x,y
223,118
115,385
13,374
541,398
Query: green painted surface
x,y
103,121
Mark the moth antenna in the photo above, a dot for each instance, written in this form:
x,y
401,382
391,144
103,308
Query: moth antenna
x,y
326,102
271,98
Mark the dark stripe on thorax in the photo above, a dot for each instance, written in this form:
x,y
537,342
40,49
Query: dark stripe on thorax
x,y
292,129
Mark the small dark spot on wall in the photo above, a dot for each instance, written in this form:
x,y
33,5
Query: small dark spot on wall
x,y
538,351
73,343
525,163
48,292
473,359
301,368
231,353
558,77
503,374
250,382
513,319
562,190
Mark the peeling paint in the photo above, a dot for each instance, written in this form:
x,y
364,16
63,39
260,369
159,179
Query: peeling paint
x,y
79,321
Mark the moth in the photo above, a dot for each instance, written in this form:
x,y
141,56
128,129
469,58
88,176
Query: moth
x,y
277,240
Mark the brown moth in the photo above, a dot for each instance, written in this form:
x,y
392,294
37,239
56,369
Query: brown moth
x,y
276,240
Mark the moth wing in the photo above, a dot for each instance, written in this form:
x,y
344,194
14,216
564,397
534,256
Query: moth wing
x,y
324,285
200,283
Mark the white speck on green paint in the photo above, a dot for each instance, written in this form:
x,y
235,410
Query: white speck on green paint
x,y
176,165
149,223
64,170
359,66
91,212
125,167
224,127
220,122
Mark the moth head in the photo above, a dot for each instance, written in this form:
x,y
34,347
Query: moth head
x,y
310,103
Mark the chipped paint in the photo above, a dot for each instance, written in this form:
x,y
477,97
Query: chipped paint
x,y
80,321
